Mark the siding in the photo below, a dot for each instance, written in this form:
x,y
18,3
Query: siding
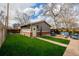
x,y
25,31
45,29
44,26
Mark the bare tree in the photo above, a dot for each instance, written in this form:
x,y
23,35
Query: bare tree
x,y
23,18
53,10
67,15
2,12
26,18
64,14
2,16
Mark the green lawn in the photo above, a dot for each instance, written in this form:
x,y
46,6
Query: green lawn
x,y
19,45
56,39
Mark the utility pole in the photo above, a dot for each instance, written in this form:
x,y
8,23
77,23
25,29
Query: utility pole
x,y
7,17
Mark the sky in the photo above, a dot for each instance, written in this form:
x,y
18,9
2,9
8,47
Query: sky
x,y
34,10
27,8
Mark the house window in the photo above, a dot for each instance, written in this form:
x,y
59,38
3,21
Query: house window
x,y
34,29
37,26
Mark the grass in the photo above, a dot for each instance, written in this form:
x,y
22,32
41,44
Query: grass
x,y
56,39
19,45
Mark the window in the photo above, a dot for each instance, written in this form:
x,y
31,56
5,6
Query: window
x,y
37,27
34,29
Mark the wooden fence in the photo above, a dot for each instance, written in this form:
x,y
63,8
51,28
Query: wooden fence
x,y
2,33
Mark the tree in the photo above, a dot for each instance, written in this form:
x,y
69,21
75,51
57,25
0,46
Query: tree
x,y
63,14
23,18
2,12
2,16
68,15
53,10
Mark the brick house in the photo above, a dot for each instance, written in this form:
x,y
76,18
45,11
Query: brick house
x,y
36,29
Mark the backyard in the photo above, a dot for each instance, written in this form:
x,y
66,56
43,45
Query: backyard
x,y
39,29
20,45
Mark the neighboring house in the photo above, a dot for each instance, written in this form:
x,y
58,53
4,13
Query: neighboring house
x,y
36,29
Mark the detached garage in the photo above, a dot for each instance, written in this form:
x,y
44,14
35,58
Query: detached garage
x,y
36,29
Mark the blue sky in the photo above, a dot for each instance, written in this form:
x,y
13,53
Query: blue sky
x,y
39,6
34,5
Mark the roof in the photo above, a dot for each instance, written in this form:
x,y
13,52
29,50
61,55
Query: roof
x,y
36,23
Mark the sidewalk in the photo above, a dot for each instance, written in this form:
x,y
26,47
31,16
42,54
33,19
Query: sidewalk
x,y
72,48
61,44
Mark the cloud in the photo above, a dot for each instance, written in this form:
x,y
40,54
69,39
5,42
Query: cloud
x,y
11,22
38,18
21,6
29,11
14,7
33,12
39,10
37,7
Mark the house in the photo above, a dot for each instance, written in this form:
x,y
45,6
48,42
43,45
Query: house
x,y
36,29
